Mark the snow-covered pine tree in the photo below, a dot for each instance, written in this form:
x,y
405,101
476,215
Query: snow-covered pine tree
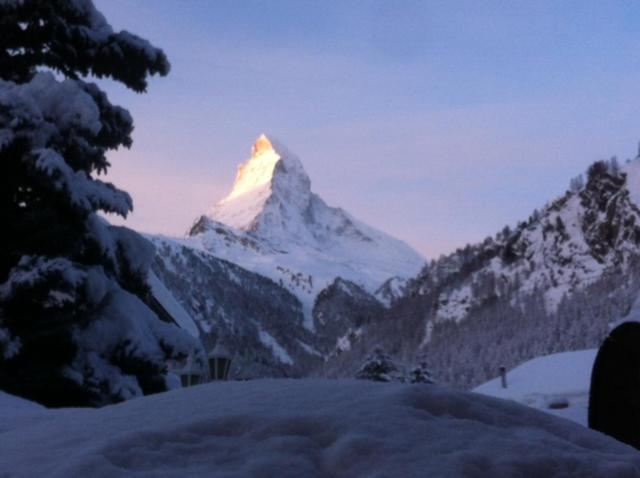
x,y
420,373
379,367
73,327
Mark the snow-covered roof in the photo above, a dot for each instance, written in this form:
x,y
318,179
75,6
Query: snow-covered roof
x,y
538,382
219,351
171,305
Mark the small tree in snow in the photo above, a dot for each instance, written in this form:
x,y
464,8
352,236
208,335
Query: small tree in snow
x,y
420,373
379,367
72,327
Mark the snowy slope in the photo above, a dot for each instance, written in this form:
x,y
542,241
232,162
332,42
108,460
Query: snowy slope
x,y
273,224
568,245
259,322
553,283
549,380
308,428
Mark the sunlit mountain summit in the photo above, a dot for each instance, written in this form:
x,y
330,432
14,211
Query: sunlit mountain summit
x,y
273,223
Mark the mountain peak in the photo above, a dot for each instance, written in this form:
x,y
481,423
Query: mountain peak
x,y
272,173
272,223
257,171
262,144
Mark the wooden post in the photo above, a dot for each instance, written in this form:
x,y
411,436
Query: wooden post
x,y
503,376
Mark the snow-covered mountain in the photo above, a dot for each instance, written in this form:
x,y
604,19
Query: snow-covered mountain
x,y
571,243
553,283
273,224
260,323
278,276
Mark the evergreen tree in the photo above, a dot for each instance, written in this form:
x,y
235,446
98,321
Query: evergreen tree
x,y
420,373
379,367
597,170
73,330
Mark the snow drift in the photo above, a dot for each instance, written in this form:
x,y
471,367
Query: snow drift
x,y
308,428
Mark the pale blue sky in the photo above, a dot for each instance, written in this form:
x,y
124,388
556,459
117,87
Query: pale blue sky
x,y
438,122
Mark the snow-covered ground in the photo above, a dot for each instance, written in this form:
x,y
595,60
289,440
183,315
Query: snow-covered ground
x,y
10,405
547,382
307,428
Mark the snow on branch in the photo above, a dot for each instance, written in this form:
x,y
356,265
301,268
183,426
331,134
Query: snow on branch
x,y
126,333
73,38
32,270
65,123
47,106
53,283
84,193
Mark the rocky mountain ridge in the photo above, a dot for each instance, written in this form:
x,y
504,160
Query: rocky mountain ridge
x,y
553,283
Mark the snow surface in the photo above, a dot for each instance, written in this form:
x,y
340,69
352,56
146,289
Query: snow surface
x,y
391,290
541,381
273,224
455,306
564,376
308,428
11,405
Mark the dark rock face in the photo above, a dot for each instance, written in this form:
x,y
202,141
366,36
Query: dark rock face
x,y
614,400
611,219
340,311
260,322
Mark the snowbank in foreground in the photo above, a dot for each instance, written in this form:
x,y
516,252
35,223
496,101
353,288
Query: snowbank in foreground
x,y
308,428
552,379
10,405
